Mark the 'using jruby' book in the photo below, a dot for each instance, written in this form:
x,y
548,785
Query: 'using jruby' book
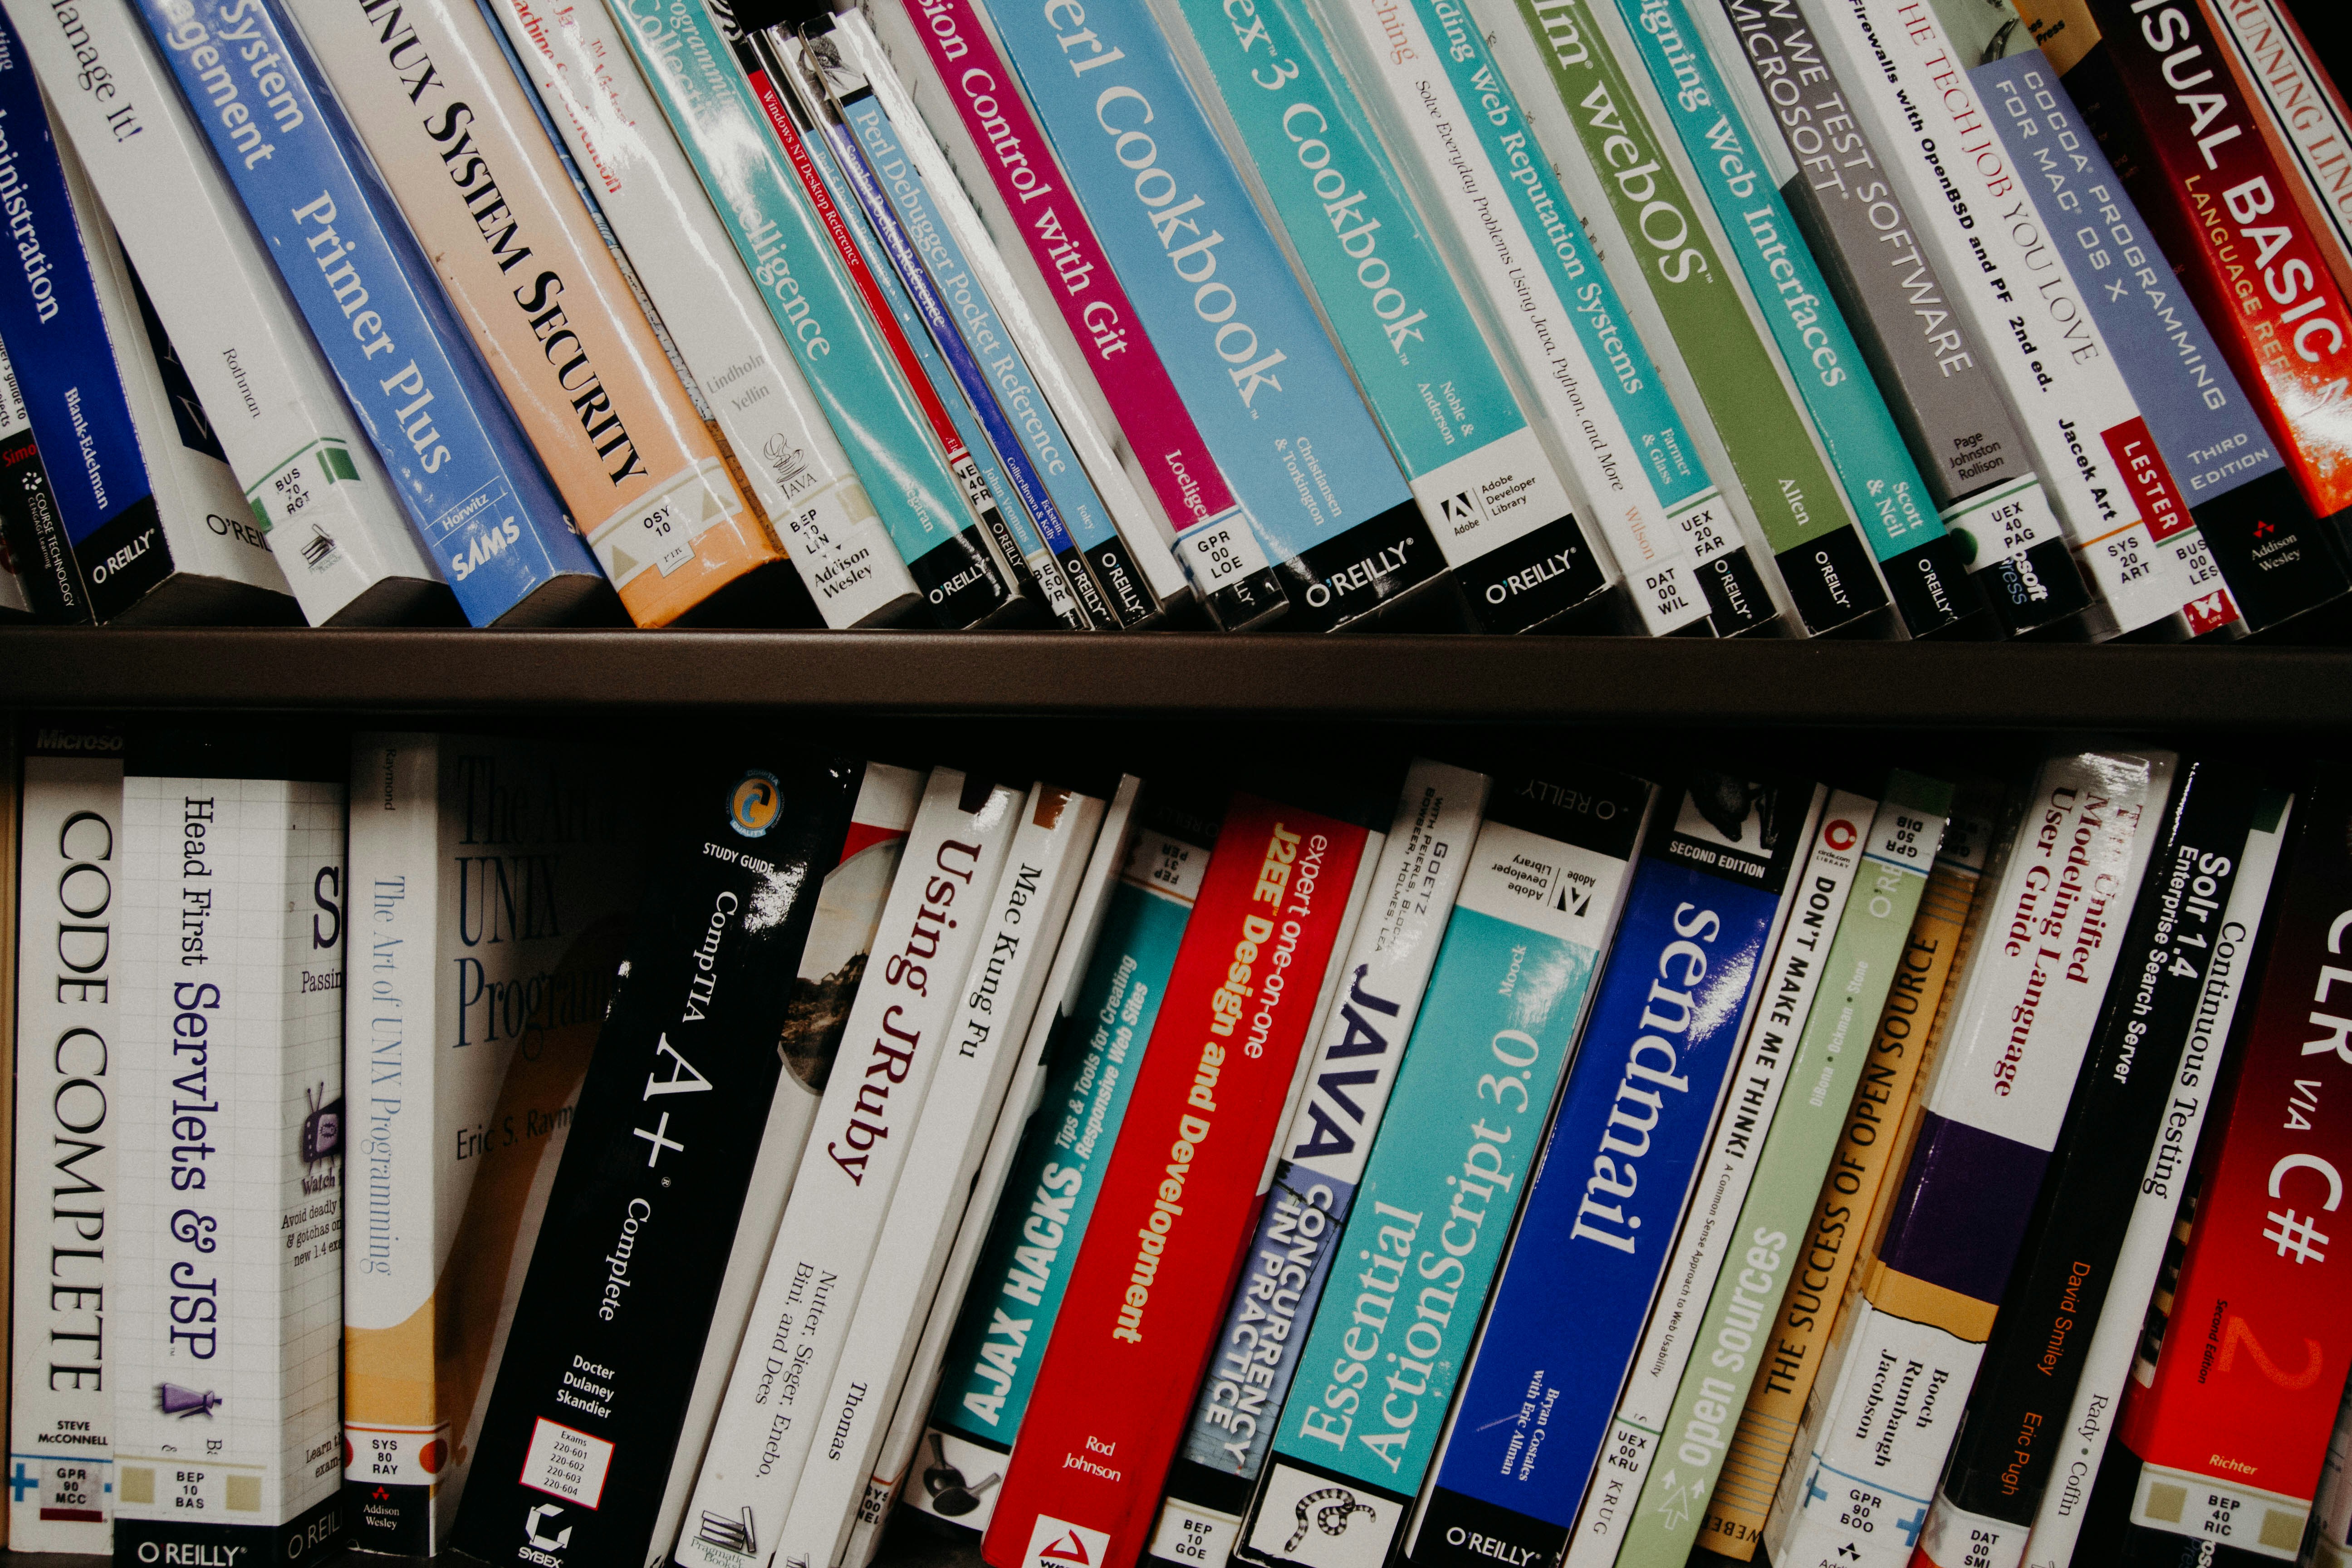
x,y
1180,1197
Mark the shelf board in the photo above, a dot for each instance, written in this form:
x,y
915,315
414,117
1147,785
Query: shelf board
x,y
1594,680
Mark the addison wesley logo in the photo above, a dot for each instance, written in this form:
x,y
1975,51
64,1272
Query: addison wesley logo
x,y
1058,1543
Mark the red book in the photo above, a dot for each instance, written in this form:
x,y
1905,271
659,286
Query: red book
x,y
1179,1198
2220,1442
2161,92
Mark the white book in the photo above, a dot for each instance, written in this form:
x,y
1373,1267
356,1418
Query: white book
x,y
797,469
492,882
1784,1003
865,1133
2115,1340
995,1004
225,1311
68,1007
833,960
912,1407
332,516
1149,532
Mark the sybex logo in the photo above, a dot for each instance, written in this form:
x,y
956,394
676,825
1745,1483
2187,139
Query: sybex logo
x,y
542,1545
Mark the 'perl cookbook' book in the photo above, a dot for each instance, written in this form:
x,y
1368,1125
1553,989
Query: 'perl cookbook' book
x,y
575,1449
226,1309
492,882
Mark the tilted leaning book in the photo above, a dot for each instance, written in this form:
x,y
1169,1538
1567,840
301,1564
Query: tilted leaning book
x,y
315,486
493,524
492,883
540,297
1889,1393
2307,117
67,1013
226,1309
1320,1161
1724,876
588,1405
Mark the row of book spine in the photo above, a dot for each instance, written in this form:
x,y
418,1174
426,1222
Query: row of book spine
x,y
1694,302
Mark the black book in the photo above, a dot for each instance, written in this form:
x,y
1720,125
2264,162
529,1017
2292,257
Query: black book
x,y
590,1400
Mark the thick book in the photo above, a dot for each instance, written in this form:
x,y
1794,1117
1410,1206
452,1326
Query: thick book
x,y
1000,151
833,962
832,89
2206,180
1916,306
619,1296
2305,110
1518,251
493,524
2226,1418
1023,1272
225,1309
2066,1264
1179,1194
541,298
791,462
1777,1032
315,486
1320,1161
1494,493
1049,862
492,883
1889,1393
1539,904
1721,883
28,508
1729,1342
68,1014
686,61
2071,1462
150,523
866,1124
1894,505
1902,1043
1325,505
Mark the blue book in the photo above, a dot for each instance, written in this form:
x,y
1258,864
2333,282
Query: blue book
x,y
489,515
1712,889
1326,505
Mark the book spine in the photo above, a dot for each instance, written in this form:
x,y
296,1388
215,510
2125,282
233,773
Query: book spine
x,y
2331,1507
68,1012
1927,350
228,1303
1514,979
492,523
994,1004
832,962
2032,1361
283,426
31,532
2195,1078
1777,1032
1050,1197
1648,489
574,354
1324,501
2232,1418
1759,1449
1105,512
1322,1153
2209,184
1485,481
1240,589
816,1268
587,1407
1073,957
734,352
1684,981
1909,1347
2307,113
1069,589
1178,1197
2195,412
